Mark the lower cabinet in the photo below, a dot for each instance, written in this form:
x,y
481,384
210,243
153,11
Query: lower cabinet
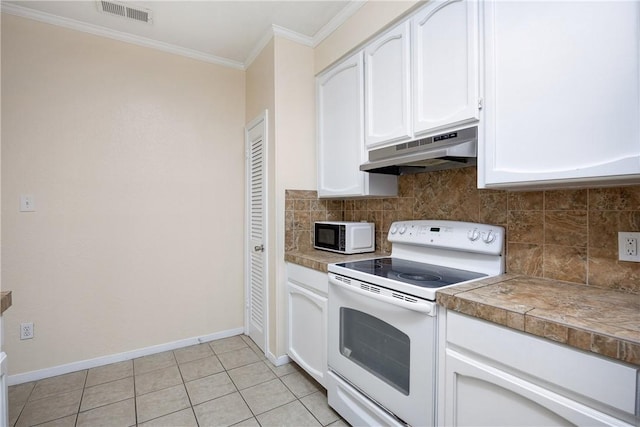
x,y
307,318
495,376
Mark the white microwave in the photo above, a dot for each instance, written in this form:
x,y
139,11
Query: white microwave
x,y
344,237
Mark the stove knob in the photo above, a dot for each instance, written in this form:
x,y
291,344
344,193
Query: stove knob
x,y
490,237
402,229
393,230
473,235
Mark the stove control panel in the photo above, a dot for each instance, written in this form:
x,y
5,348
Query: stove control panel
x,y
455,235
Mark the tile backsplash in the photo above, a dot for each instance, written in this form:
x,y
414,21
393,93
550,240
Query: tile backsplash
x,y
569,235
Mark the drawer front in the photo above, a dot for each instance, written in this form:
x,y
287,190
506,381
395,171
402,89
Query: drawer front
x,y
545,362
308,278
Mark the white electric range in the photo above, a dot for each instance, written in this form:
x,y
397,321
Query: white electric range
x,y
383,318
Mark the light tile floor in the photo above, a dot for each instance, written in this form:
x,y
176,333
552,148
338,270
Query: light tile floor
x,y
220,383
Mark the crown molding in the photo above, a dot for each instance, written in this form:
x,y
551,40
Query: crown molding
x,y
275,30
337,21
292,35
97,30
262,43
279,31
314,41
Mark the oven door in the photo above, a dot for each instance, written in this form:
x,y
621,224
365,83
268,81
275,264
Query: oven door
x,y
384,346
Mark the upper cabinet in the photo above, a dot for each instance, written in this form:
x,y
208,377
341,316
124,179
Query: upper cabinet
x,y
388,87
562,94
340,141
445,66
554,87
421,76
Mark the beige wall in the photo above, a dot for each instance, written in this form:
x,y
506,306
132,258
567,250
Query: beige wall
x,y
260,96
129,153
135,158
259,82
295,152
295,121
367,21
281,80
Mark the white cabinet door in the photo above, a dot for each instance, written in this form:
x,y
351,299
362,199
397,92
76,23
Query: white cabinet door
x,y
340,135
308,331
340,118
445,65
562,93
480,395
388,87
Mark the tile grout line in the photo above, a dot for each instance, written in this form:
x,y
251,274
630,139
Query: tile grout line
x,y
184,384
240,393
135,399
277,374
84,387
192,406
25,403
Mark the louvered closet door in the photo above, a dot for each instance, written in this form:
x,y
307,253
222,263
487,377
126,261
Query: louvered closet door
x,y
256,298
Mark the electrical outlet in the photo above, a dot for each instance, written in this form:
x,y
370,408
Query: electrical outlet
x,y
628,249
26,331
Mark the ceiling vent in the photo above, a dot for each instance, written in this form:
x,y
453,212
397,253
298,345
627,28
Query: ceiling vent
x,y
121,9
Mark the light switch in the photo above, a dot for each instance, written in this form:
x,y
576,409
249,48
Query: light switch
x,y
27,203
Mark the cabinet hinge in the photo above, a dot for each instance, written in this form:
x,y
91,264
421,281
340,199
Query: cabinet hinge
x,y
480,102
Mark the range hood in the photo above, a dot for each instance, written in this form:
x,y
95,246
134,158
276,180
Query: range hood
x,y
449,150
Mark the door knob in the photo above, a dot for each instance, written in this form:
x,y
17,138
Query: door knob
x,y
259,248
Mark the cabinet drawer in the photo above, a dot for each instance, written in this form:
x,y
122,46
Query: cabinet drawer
x,y
308,278
553,365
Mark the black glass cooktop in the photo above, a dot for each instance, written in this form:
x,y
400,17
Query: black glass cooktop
x,y
414,273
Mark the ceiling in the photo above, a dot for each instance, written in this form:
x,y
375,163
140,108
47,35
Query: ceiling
x,y
230,32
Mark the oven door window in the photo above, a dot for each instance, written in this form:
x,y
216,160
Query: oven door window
x,y
376,346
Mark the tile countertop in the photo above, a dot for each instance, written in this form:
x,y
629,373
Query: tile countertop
x,y
597,320
319,260
5,301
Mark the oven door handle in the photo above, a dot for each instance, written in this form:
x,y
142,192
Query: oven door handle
x,y
425,307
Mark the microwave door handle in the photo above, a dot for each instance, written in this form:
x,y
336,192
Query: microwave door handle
x,y
420,306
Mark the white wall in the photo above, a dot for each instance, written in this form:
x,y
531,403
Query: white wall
x,y
135,158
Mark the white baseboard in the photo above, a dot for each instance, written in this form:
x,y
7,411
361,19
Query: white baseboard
x,y
119,357
278,361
